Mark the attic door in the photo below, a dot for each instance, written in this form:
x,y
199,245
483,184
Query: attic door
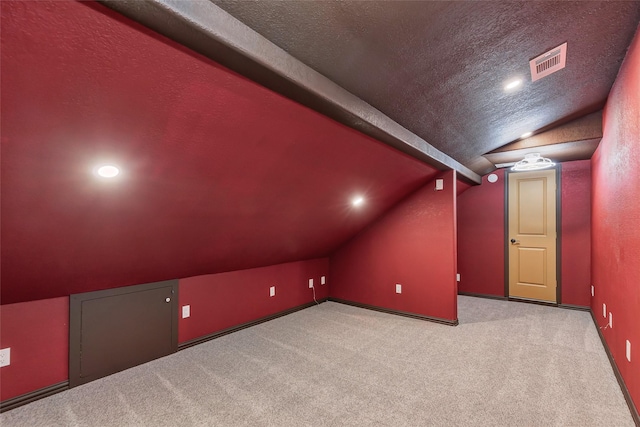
x,y
116,329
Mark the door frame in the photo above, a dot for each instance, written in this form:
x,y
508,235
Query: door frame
x,y
558,169
75,320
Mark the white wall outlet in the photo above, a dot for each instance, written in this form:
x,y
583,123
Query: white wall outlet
x,y
398,288
592,291
439,184
186,311
629,350
458,277
323,280
604,310
272,291
5,357
310,283
610,320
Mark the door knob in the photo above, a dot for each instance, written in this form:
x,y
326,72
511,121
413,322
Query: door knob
x,y
513,241
167,299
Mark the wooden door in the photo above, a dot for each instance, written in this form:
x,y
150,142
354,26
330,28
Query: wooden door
x,y
532,235
116,329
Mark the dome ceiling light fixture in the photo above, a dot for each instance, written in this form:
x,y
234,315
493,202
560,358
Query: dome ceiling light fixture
x,y
532,162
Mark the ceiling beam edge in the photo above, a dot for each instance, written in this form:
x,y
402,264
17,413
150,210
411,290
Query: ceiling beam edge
x,y
207,29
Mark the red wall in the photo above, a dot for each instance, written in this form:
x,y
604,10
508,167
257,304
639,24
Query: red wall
x,y
481,235
38,331
38,334
481,238
615,221
220,301
414,244
576,233
218,173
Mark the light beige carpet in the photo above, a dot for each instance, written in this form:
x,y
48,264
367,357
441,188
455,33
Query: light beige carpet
x,y
506,364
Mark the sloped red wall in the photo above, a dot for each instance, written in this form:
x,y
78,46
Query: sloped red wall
x,y
220,301
615,220
218,173
38,334
414,244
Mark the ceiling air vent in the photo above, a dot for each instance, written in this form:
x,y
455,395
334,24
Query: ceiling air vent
x,y
549,62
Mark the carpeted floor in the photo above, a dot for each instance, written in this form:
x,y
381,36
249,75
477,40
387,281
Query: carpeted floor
x,y
506,364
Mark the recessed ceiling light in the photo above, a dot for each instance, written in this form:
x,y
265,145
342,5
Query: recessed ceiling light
x,y
526,135
512,84
108,171
358,201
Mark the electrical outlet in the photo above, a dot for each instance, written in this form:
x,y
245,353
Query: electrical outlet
x,y
610,320
5,357
629,350
272,291
604,310
186,311
592,291
310,283
458,277
398,288
323,280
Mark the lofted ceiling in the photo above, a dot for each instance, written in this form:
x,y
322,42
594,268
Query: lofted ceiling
x,y
438,68
218,173
435,68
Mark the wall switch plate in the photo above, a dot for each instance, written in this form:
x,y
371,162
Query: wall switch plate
x,y
272,291
310,283
5,357
458,277
186,311
629,350
439,184
604,310
592,290
323,280
398,288
610,320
